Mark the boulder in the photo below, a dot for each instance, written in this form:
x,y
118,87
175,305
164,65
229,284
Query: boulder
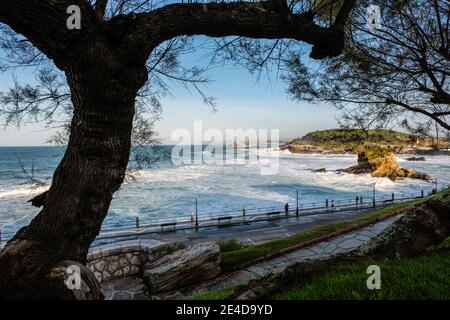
x,y
416,159
381,162
182,268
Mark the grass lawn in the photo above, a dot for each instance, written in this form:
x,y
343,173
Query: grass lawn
x,y
419,278
231,259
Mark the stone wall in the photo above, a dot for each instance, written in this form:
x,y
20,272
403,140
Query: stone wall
x,y
121,259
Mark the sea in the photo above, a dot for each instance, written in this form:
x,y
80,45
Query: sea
x,y
168,190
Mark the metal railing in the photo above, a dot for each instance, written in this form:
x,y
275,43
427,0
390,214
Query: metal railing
x,y
250,215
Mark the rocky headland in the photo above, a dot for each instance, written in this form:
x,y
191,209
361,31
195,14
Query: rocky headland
x,y
345,141
382,162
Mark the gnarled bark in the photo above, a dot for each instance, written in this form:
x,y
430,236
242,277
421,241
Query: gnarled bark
x,y
92,169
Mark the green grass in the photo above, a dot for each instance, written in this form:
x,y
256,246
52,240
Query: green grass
x,y
424,277
232,259
230,245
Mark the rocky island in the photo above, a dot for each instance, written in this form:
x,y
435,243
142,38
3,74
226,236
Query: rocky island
x,y
381,162
341,141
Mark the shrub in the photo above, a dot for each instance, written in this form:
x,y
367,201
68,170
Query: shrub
x,y
230,245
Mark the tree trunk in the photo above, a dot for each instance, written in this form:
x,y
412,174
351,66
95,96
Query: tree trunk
x,y
93,168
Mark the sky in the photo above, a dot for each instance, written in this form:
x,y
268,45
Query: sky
x,y
243,102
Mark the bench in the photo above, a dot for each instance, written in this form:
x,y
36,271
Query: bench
x,y
226,219
169,224
273,213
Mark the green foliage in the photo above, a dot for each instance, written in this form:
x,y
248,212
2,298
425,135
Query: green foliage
x,y
173,247
424,277
374,151
230,245
356,136
445,245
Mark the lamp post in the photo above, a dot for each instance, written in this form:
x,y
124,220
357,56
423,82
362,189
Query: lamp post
x,y
196,214
373,196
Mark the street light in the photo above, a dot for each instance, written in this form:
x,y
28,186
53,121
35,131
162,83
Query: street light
x,y
373,196
196,214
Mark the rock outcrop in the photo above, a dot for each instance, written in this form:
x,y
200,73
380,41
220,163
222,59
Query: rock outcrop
x,y
381,162
182,268
416,159
424,225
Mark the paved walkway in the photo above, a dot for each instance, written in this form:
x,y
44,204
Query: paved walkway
x,y
325,249
338,245
256,232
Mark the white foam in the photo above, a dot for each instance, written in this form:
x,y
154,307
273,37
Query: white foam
x,y
22,191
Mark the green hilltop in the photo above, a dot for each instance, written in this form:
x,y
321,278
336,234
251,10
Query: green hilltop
x,y
356,136
345,140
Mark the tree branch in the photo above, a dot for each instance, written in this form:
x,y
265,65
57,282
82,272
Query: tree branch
x,y
344,14
433,116
244,19
44,23
39,200
100,8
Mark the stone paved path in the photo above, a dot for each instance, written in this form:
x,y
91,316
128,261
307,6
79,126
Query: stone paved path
x,y
129,288
256,232
337,245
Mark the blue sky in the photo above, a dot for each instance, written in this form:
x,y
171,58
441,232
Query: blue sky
x,y
243,102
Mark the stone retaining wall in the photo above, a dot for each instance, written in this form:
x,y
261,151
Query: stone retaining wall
x,y
120,259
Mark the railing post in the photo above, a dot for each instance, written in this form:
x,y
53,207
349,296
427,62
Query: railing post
x,y
435,190
196,214
373,196
137,222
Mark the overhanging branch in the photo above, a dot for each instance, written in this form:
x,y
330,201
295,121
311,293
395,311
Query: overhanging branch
x,y
44,23
431,115
246,19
